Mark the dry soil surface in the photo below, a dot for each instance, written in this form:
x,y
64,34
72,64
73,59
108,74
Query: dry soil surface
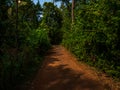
x,y
62,71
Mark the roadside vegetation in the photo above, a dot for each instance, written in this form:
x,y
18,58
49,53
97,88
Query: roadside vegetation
x,y
94,35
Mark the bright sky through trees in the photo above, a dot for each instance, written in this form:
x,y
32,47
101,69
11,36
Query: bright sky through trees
x,y
42,2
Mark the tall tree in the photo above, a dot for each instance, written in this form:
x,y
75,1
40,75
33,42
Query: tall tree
x,y
73,6
52,18
67,2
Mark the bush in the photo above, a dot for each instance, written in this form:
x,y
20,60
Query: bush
x,y
17,63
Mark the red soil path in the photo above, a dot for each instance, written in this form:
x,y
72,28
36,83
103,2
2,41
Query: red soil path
x,y
61,71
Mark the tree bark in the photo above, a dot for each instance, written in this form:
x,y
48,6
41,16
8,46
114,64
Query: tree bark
x,y
73,5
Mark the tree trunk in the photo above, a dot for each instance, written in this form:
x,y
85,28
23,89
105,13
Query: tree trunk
x,y
73,5
53,1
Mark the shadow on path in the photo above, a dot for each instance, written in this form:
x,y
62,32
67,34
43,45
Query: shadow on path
x,y
58,75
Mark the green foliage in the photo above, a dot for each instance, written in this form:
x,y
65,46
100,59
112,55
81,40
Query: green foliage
x,y
17,62
22,43
94,37
52,19
39,40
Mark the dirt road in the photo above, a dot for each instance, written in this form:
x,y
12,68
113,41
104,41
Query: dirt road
x,y
61,71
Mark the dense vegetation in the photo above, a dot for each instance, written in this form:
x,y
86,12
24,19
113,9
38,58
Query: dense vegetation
x,y
94,35
22,41
52,19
